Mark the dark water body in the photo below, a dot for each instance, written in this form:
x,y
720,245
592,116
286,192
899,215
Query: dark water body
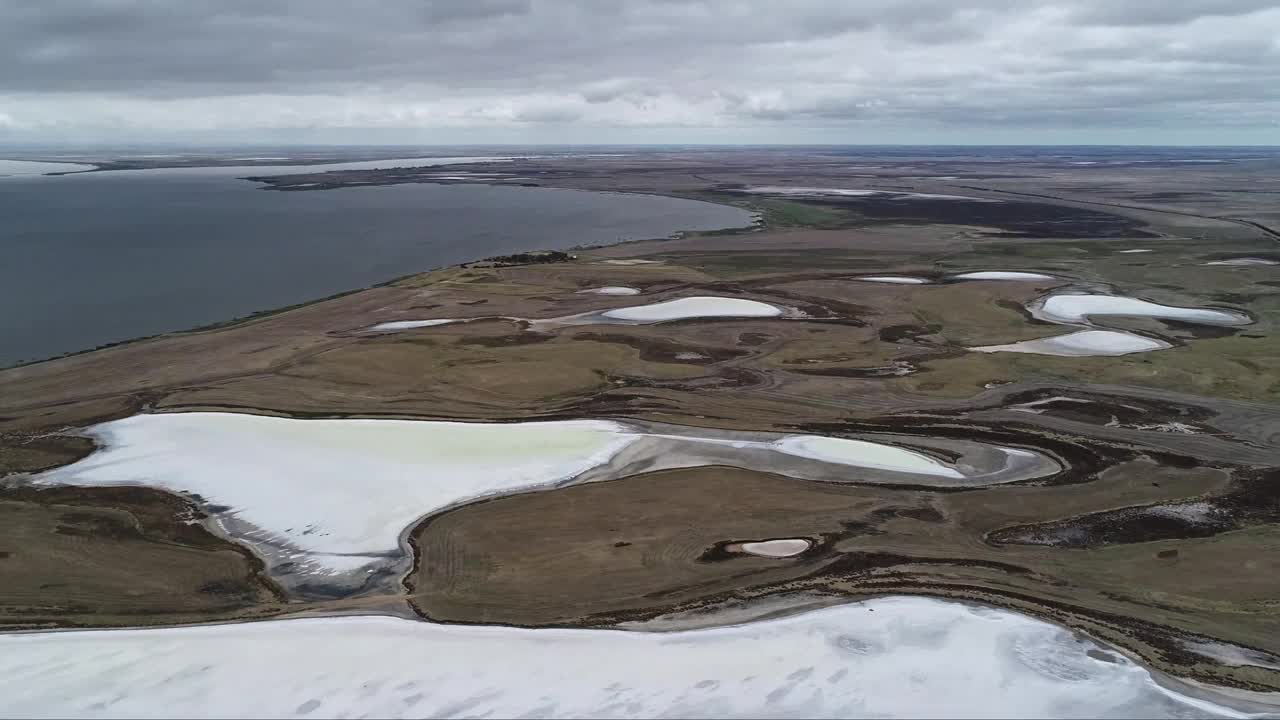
x,y
103,257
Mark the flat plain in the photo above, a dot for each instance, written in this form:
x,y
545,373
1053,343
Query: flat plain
x,y
848,311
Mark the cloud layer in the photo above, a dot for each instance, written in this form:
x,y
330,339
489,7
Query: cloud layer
x,y
626,68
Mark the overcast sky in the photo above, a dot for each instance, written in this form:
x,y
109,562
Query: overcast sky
x,y
635,71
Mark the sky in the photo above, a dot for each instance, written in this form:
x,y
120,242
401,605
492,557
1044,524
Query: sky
x,y
641,71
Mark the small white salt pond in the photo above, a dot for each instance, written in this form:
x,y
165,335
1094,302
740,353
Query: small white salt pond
x,y
1002,275
1085,343
832,459
864,454
781,548
1077,309
1244,262
694,307
610,290
410,324
894,279
1134,251
886,657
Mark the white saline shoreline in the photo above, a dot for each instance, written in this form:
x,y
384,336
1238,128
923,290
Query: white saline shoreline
x,y
890,657
283,486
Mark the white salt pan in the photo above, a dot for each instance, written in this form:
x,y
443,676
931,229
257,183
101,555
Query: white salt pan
x,y
888,657
781,190
410,324
1233,655
32,167
694,307
846,192
1193,512
1130,252
342,490
610,290
1078,308
935,196
339,492
1002,275
897,279
804,456
864,454
782,548
1244,262
1085,343
390,163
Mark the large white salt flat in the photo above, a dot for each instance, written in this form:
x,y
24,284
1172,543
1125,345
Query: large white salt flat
x,y
610,290
864,454
411,324
847,192
791,190
340,491
392,163
889,657
1078,308
33,167
1002,275
326,500
936,196
895,279
694,307
1084,343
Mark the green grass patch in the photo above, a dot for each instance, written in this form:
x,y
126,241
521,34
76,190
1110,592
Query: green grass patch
x,y
787,213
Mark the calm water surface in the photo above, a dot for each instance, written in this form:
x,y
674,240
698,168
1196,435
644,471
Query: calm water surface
x,y
103,257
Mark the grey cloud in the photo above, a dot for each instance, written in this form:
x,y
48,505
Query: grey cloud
x,y
678,63
549,114
1164,12
443,11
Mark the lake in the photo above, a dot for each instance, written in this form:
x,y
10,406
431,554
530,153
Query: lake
x,y
101,257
